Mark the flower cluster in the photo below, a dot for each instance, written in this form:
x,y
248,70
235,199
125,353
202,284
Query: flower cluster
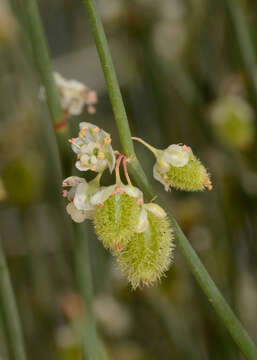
x,y
93,149
138,234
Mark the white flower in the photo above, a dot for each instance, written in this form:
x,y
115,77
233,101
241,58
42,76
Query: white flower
x,y
79,195
93,149
74,95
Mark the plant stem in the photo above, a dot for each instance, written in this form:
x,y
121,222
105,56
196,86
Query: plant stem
x,y
244,42
10,310
84,279
233,325
60,125
150,147
44,66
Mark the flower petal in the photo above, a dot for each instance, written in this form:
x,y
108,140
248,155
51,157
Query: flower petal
x,y
80,197
102,195
155,209
132,191
143,223
176,155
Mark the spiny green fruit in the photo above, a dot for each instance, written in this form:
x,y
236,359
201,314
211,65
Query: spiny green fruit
x,y
148,254
116,215
190,177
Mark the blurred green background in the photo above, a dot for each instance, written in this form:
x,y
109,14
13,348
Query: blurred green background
x,y
184,80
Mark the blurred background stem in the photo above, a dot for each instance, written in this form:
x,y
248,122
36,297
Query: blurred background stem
x,y
81,257
233,325
244,43
10,311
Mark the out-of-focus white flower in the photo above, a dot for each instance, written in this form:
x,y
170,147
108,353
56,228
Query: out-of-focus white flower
x,y
93,149
80,207
74,95
112,316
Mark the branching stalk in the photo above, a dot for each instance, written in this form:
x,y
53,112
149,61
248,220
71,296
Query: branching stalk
x,y
222,308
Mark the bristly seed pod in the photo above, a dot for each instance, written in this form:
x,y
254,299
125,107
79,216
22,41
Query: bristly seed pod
x,y
149,253
177,167
116,215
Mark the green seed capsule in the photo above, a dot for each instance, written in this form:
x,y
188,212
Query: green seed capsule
x,y
177,167
148,254
190,177
116,218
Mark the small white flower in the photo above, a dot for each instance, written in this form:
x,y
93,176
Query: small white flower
x,y
74,95
93,149
79,195
175,155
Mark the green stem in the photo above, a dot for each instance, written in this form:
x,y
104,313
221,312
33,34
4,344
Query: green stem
x,y
90,342
44,66
10,310
244,42
233,325
150,147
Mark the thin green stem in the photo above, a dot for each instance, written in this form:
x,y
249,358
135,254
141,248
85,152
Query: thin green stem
x,y
150,147
244,42
10,311
43,63
233,325
90,342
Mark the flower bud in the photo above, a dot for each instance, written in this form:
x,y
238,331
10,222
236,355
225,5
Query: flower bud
x,y
93,149
148,254
116,214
